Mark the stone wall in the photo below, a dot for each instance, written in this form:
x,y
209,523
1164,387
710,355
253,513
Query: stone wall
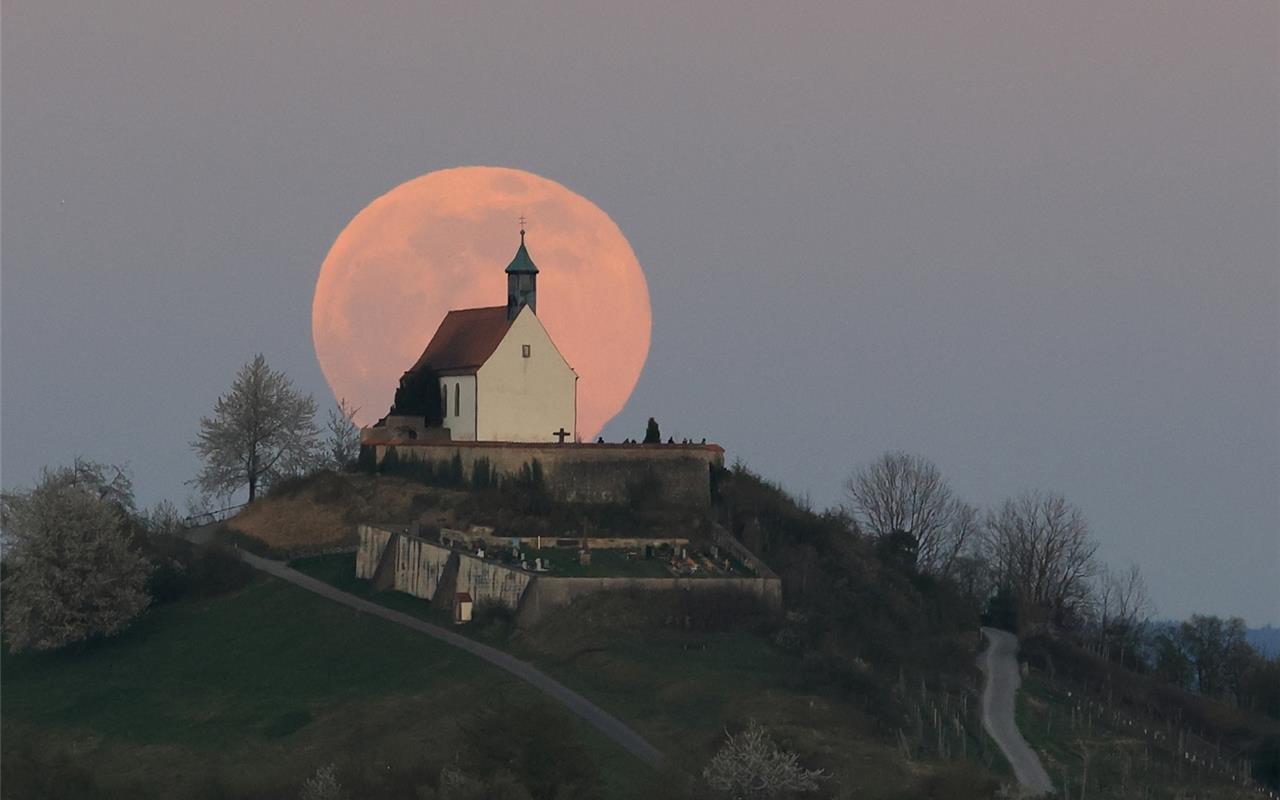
x,y
425,569
495,543
547,593
671,474
421,568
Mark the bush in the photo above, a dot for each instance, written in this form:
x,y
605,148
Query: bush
x,y
182,570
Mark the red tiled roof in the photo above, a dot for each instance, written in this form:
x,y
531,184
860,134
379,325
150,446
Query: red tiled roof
x,y
464,340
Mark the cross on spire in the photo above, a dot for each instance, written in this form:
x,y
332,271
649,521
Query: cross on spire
x,y
522,222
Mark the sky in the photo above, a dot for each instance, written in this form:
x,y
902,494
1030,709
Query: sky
x,y
1036,242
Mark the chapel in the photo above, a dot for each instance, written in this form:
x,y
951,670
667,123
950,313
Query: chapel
x,y
488,374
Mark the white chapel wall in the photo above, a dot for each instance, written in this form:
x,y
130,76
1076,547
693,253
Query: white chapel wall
x,y
460,416
525,399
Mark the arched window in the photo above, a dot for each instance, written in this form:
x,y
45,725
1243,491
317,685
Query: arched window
x,y
444,400
457,399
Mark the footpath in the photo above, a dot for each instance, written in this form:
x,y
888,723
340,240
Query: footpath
x,y
999,662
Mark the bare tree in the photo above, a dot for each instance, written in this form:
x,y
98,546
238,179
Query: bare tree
x,y
344,435
1218,651
72,570
903,492
1122,608
261,430
751,766
1039,545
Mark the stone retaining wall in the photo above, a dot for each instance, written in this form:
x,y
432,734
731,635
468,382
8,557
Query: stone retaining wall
x,y
424,569
670,474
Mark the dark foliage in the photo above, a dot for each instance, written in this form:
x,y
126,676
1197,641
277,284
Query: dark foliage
x,y
860,613
1253,735
651,433
418,395
182,570
539,750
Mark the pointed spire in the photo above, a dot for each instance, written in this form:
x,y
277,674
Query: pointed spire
x,y
522,263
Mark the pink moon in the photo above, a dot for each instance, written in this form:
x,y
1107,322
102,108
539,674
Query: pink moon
x,y
441,242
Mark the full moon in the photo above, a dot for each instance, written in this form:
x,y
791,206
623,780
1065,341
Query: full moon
x,y
441,242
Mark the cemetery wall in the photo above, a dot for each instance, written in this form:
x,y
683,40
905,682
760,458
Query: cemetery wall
x,y
422,568
490,582
492,542
373,541
547,593
673,474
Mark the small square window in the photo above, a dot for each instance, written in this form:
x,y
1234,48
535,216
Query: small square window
x,y
524,350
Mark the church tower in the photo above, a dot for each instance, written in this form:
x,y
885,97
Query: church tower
x,y
522,282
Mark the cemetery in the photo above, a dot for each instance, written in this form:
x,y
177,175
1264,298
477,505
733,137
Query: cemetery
x,y
531,575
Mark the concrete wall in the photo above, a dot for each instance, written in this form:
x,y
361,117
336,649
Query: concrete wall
x,y
547,594
462,400
373,541
422,568
491,582
525,399
677,475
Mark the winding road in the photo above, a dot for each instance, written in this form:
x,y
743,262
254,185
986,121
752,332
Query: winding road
x,y
602,720
999,662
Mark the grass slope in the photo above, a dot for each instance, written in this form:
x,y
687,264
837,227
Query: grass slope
x,y
682,689
249,692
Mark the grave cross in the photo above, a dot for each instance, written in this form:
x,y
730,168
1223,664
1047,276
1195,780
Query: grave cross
x,y
560,434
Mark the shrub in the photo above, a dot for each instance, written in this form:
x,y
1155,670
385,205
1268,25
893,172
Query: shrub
x,y
751,766
75,571
323,785
652,435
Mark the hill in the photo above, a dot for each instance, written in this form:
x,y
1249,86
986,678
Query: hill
x,y
870,676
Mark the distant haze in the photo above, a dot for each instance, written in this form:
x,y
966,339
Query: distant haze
x,y
1036,242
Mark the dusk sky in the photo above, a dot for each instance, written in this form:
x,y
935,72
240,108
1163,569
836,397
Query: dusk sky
x,y
1038,243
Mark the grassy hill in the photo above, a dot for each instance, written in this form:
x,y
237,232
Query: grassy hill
x,y
870,677
246,694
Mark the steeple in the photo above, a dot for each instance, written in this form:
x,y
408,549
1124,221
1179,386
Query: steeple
x,y
522,280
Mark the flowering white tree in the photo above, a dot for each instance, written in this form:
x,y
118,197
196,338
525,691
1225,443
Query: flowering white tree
x,y
323,785
72,570
261,430
751,766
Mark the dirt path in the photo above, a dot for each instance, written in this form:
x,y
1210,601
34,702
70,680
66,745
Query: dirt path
x,y
1000,664
604,722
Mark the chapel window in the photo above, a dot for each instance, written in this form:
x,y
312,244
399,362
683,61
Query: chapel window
x,y
524,350
444,401
457,399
